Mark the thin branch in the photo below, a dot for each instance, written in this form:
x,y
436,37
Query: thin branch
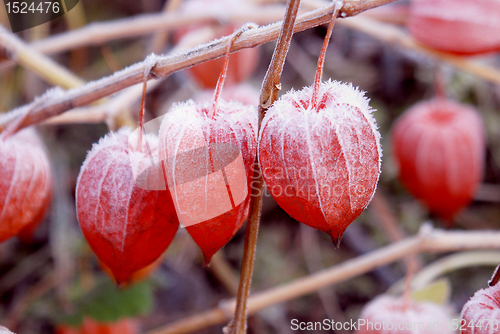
x,y
101,32
46,68
390,226
160,38
98,33
58,102
428,240
223,272
268,95
386,217
271,83
446,265
313,257
113,108
353,8
392,34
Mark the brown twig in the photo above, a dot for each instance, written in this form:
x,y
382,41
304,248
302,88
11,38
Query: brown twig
x,y
271,83
268,94
392,34
311,251
445,265
99,33
428,240
411,269
160,38
386,218
113,109
223,271
58,102
46,68
390,226
23,268
46,284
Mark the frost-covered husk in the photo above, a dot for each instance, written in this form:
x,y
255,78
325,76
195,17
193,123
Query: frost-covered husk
x,y
327,159
138,156
230,113
127,227
340,93
25,185
188,129
111,139
483,308
188,125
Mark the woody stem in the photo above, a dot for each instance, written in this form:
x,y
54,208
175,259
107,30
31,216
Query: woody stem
x,y
267,96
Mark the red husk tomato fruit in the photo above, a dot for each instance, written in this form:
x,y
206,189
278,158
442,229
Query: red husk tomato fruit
x,y
321,163
439,148
207,155
127,227
25,185
457,26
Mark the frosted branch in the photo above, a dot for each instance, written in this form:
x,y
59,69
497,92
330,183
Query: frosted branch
x,y
57,103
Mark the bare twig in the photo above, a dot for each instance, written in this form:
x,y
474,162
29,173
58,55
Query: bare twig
x,y
113,109
160,37
268,95
102,32
58,102
386,217
389,224
99,33
34,293
427,241
223,271
43,66
271,84
392,34
23,268
446,265
311,250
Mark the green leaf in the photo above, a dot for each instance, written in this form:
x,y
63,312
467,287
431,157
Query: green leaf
x,y
107,303
437,292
